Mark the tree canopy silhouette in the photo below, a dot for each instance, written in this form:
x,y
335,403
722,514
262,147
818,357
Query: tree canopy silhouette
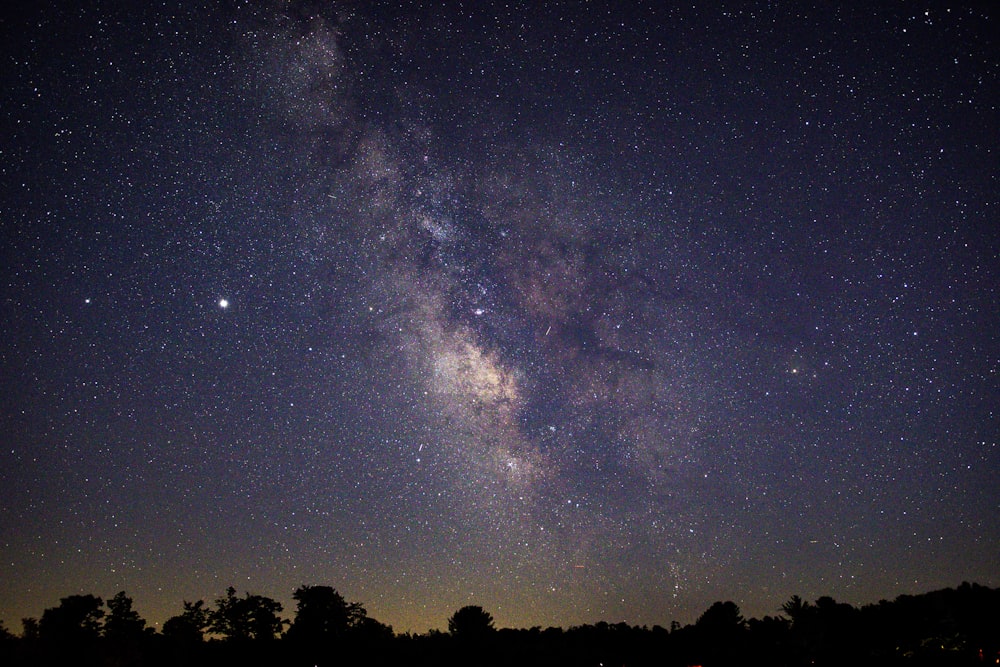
x,y
948,627
250,617
322,614
123,623
77,619
722,618
190,625
471,622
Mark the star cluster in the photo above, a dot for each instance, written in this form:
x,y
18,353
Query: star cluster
x,y
578,313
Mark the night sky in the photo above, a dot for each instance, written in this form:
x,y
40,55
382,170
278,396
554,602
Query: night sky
x,y
596,311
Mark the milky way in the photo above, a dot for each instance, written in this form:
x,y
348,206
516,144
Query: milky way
x,y
573,314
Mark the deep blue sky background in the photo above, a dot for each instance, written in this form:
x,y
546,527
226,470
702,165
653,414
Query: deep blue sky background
x,y
601,311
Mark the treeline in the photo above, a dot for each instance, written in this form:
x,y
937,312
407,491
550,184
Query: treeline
x,y
959,626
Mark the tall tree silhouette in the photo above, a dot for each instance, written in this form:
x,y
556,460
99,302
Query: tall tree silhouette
x,y
123,623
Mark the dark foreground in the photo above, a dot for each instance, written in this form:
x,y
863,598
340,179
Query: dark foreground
x,y
947,627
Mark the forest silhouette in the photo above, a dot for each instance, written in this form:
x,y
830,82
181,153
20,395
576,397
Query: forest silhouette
x,y
953,626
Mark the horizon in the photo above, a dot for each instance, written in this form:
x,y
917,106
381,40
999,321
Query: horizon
x,y
289,609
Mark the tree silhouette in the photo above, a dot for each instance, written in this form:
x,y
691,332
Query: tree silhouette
x,y
190,625
321,614
768,639
366,628
123,623
945,627
825,628
795,608
76,620
250,617
722,618
471,623
8,645
839,631
29,629
720,633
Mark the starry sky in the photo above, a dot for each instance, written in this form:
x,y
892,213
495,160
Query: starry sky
x,y
578,312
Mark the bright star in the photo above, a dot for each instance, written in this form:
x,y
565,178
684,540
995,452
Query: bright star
x,y
223,303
